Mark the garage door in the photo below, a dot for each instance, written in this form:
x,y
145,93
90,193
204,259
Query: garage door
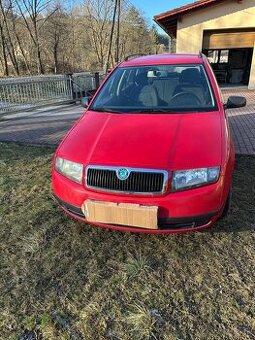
x,y
216,40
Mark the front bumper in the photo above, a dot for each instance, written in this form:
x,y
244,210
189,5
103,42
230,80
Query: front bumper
x,y
165,225
183,211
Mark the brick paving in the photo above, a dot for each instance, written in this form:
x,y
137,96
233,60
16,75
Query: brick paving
x,y
49,126
43,127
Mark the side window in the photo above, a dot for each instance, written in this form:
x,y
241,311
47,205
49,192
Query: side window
x,y
110,89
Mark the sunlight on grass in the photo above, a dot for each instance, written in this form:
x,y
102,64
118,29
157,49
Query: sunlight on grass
x,y
140,322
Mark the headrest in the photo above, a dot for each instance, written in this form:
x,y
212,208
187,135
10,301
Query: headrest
x,y
141,78
190,75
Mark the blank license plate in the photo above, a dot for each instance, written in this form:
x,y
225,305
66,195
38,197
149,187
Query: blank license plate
x,y
133,215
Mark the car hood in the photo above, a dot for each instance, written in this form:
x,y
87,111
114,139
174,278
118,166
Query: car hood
x,y
156,141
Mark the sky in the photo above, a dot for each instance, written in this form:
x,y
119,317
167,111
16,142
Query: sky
x,y
153,7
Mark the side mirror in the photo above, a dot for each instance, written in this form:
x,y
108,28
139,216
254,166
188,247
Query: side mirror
x,y
88,96
90,93
235,102
85,101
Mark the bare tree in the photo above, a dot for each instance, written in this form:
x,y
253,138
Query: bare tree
x,y
33,13
4,53
8,41
18,36
106,66
56,32
39,36
117,49
98,19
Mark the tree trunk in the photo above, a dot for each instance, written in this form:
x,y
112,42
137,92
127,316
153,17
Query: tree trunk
x,y
6,69
55,55
8,36
20,45
39,58
40,67
117,52
23,54
111,37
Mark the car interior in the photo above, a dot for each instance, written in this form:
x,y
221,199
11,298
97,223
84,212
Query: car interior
x,y
163,86
155,88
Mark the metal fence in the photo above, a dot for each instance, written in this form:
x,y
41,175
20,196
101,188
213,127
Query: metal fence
x,y
82,82
26,93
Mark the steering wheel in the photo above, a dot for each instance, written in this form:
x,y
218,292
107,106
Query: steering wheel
x,y
180,97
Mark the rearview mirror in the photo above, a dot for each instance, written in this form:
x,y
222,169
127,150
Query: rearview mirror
x,y
85,101
235,102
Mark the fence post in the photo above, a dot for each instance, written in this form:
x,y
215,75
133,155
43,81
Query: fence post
x,y
70,84
97,80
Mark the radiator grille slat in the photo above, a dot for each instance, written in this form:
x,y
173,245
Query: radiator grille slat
x,y
143,181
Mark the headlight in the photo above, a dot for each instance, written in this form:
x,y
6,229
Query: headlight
x,y
69,169
187,179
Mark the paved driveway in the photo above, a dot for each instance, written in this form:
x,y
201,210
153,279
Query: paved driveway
x,y
45,126
48,126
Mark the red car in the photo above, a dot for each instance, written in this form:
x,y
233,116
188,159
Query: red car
x,y
152,153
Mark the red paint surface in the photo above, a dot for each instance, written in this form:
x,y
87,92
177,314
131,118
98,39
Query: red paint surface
x,y
156,141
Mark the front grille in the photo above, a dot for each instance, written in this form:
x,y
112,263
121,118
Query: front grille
x,y
141,181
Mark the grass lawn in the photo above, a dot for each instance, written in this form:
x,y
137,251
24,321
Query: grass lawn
x,y
62,279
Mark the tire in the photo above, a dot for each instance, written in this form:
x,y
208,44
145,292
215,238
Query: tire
x,y
227,205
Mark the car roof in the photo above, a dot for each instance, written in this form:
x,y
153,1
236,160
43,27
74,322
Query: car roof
x,y
163,59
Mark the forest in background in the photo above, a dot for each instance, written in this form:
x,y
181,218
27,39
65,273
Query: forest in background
x,y
45,36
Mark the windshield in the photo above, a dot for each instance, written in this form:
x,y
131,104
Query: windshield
x,y
157,88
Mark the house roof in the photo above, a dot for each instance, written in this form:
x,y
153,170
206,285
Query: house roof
x,y
168,20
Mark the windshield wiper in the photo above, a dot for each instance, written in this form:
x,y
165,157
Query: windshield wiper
x,y
148,110
104,109
156,110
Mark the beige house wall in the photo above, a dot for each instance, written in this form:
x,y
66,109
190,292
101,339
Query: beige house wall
x,y
252,74
230,14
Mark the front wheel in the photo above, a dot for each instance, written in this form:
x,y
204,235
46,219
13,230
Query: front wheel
x,y
227,205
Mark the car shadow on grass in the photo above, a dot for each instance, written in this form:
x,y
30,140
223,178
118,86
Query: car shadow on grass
x,y
241,216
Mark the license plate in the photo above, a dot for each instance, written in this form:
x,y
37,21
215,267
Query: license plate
x,y
126,214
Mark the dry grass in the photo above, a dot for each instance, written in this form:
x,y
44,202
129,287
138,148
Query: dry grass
x,y
61,279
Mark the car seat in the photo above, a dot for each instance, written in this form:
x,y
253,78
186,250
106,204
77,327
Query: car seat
x,y
144,93
190,82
